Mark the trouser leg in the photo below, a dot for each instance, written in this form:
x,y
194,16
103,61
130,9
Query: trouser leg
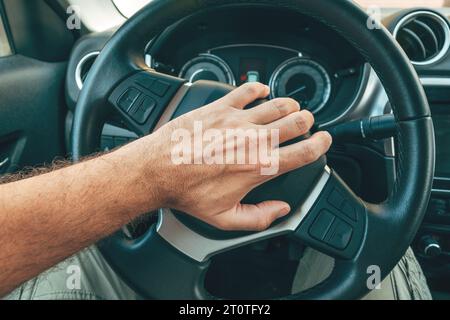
x,y
85,276
406,281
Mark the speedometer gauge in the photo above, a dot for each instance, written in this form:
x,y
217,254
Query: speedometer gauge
x,y
303,80
207,67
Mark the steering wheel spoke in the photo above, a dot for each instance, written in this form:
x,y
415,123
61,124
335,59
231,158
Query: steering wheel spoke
x,y
142,98
157,279
336,224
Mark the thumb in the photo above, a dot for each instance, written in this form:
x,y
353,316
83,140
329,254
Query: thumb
x,y
248,217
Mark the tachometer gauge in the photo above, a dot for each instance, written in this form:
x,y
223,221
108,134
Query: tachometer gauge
x,y
207,67
303,80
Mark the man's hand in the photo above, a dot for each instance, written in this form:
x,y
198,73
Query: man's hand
x,y
213,192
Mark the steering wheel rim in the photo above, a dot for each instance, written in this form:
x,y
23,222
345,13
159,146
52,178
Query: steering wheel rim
x,y
387,229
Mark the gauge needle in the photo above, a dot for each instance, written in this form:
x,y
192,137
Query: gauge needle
x,y
293,93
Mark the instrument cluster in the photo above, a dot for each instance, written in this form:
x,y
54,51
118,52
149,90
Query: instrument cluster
x,y
288,73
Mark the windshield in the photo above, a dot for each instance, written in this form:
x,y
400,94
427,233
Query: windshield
x,y
130,7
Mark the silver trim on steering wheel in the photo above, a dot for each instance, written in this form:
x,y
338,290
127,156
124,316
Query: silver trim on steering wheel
x,y
79,69
201,248
437,18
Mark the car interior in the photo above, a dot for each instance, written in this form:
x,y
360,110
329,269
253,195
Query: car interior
x,y
52,53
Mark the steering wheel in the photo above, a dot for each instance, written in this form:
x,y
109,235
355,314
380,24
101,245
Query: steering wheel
x,y
170,261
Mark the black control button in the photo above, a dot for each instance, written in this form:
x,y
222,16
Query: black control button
x,y
349,210
160,88
144,110
145,81
336,199
127,100
321,225
438,207
339,235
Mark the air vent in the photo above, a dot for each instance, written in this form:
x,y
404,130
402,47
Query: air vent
x,y
424,36
83,68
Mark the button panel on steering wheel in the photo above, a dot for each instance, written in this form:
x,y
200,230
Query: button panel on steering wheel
x,y
336,224
143,97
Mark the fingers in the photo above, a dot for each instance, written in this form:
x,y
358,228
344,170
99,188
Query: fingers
x,y
245,217
272,110
294,125
305,152
241,97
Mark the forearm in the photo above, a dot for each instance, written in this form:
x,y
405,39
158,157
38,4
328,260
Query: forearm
x,y
71,209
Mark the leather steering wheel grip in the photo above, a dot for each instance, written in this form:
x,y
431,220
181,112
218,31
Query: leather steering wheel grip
x,y
390,226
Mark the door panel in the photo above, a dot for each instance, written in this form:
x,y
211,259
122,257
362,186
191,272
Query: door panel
x,y
32,102
32,112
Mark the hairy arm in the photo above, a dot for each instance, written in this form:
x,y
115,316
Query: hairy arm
x,y
47,218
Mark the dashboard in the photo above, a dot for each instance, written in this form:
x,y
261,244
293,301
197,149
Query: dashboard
x,y
296,56
299,57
